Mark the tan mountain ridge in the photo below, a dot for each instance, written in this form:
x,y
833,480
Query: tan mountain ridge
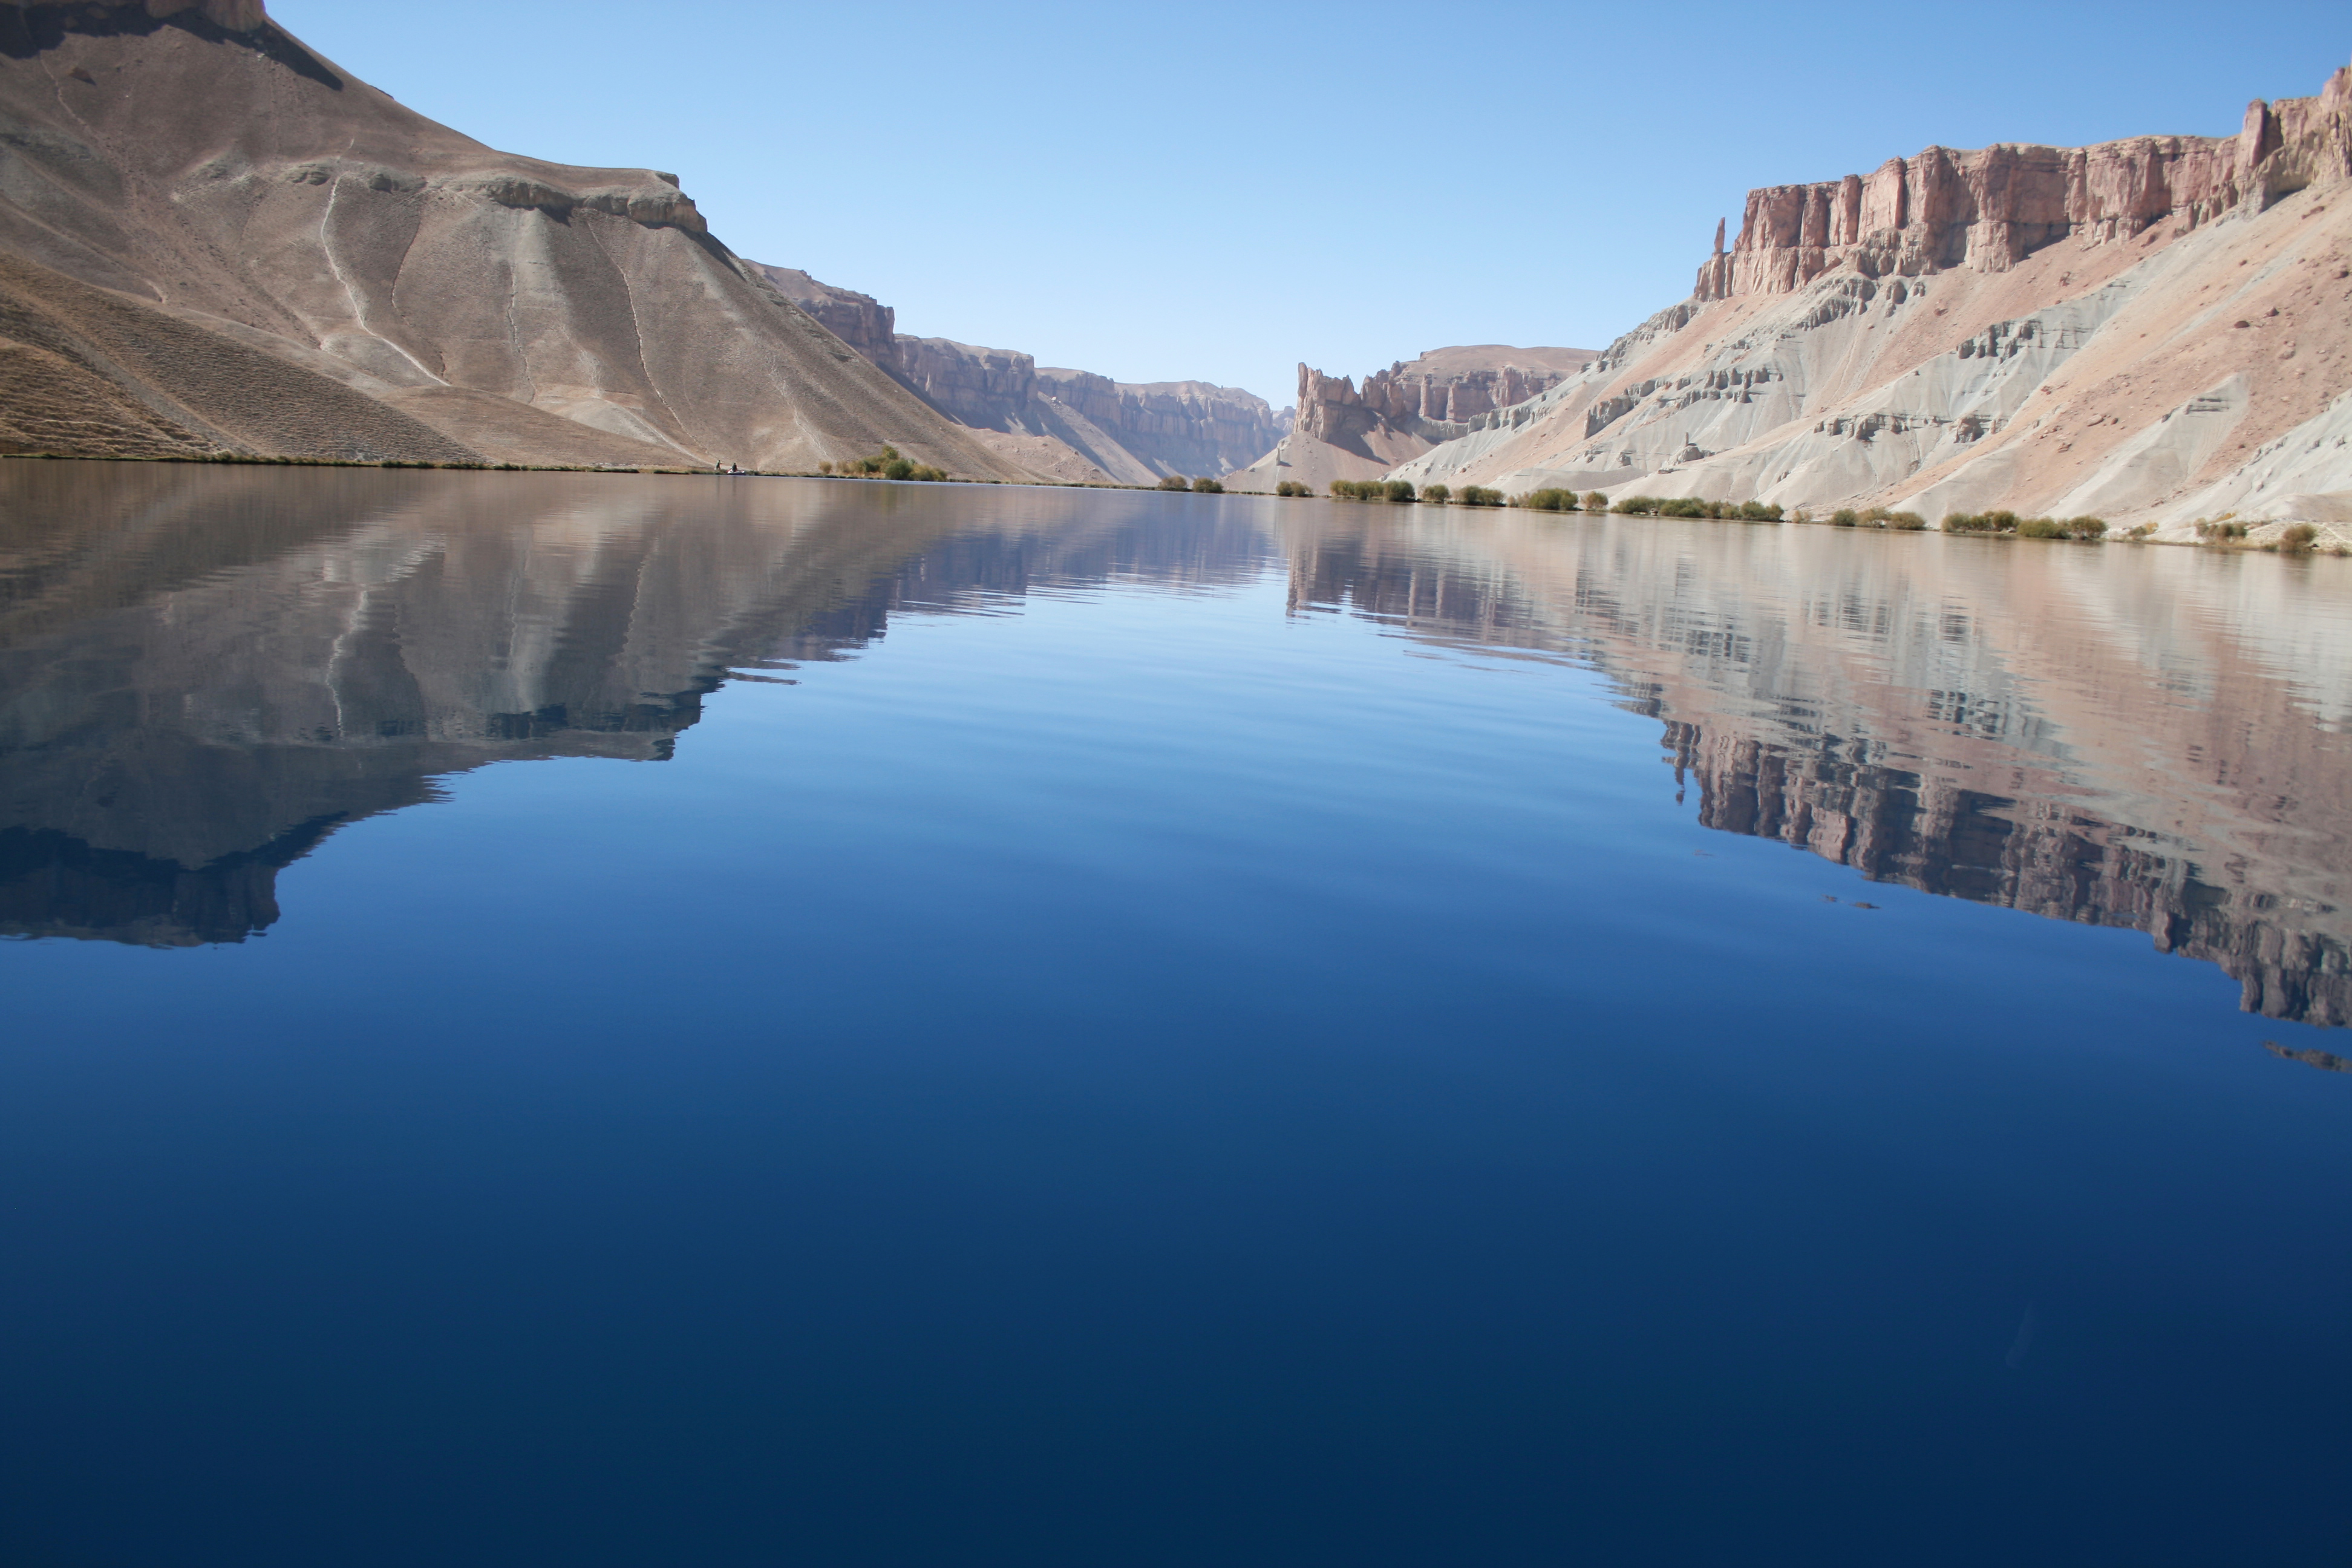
x,y
213,241
2156,331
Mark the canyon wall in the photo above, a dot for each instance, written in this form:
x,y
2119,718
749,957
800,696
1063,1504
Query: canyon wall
x,y
861,321
2155,332
1063,424
1991,208
1344,433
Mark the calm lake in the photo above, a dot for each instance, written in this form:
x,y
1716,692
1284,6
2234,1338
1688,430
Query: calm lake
x,y
1021,1026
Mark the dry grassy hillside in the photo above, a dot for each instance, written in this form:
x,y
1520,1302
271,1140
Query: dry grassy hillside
x,y
212,241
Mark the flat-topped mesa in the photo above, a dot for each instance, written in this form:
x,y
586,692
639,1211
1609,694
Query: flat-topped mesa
x,y
1991,208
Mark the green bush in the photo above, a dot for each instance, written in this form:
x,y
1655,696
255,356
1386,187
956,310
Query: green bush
x,y
1175,482
2222,529
1398,490
1760,511
1638,506
1480,495
1595,501
1845,517
1208,487
1292,488
897,469
1439,494
1547,500
2061,528
1980,522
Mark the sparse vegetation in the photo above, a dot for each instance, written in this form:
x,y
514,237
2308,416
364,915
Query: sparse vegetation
x,y
1595,501
1373,490
1437,494
1292,488
2297,538
1480,495
1207,487
2215,533
1691,506
2014,526
1547,501
1175,482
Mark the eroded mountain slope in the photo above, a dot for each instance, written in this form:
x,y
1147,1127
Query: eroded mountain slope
x,y
202,167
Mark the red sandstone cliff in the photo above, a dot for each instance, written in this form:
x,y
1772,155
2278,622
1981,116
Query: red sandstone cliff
x,y
1991,208
2155,331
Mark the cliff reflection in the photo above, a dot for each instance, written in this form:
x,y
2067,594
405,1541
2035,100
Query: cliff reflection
x,y
204,672
2148,738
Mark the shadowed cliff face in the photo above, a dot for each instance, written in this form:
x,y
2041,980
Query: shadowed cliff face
x,y
204,672
2118,746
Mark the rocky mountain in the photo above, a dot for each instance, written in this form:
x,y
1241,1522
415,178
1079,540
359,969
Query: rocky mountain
x,y
2153,330
213,240
1063,424
1405,410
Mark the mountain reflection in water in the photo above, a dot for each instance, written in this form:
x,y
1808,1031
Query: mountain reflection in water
x,y
203,672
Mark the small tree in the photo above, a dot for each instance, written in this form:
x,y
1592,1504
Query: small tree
x,y
1175,482
1439,494
897,469
1397,490
1208,487
1595,501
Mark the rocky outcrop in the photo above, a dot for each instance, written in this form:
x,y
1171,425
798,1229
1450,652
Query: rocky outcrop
x,y
213,241
2156,332
1444,393
1989,209
1401,412
861,321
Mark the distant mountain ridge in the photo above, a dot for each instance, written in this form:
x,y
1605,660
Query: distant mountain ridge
x,y
1405,410
1068,424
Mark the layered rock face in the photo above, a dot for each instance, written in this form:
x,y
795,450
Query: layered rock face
x,y
1063,424
212,241
1991,208
861,321
1174,426
1342,432
2153,331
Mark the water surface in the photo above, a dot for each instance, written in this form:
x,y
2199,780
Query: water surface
x,y
1004,1025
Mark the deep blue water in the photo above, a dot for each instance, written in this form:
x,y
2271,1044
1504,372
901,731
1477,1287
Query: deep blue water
x,y
1026,1027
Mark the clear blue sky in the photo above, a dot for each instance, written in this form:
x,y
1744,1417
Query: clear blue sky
x,y
1217,191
